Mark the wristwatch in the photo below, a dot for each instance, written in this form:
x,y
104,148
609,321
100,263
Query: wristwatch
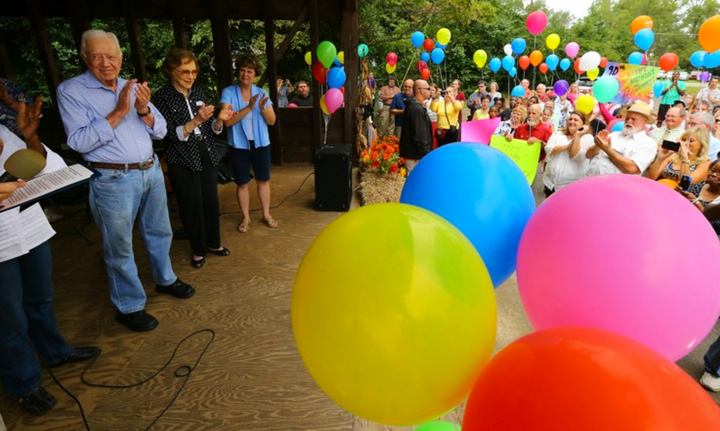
x,y
145,114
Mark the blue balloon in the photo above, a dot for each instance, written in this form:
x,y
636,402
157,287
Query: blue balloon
x,y
635,58
657,88
518,45
495,64
617,127
697,59
518,91
552,61
336,77
512,72
712,60
480,191
425,56
644,39
565,64
437,55
417,39
440,45
508,62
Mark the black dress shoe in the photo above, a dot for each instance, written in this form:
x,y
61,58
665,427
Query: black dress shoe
x,y
79,354
37,401
139,321
178,289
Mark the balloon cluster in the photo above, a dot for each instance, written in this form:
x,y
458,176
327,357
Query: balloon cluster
x,y
328,69
709,38
432,52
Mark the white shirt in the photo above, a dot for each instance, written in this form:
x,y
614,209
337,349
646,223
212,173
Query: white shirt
x,y
20,232
561,170
640,148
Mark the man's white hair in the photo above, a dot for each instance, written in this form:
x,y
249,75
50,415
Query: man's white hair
x,y
95,34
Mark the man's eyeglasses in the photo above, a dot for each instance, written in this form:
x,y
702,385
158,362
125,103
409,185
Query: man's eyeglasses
x,y
693,124
428,89
717,120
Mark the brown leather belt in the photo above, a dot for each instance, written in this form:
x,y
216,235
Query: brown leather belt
x,y
149,163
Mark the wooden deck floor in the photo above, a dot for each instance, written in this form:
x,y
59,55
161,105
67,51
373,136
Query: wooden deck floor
x,y
251,377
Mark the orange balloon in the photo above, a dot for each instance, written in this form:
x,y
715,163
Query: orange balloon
x,y
536,58
576,66
603,62
668,182
668,61
524,62
641,22
585,379
425,73
544,68
709,34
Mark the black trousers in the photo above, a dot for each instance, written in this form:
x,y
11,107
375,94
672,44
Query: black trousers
x,y
197,198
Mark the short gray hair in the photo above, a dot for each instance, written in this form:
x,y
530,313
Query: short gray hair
x,y
705,118
95,34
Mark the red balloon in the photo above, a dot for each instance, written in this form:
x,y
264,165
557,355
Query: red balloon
x,y
428,45
669,61
425,73
391,58
603,62
319,72
544,68
524,62
342,89
585,378
577,67
421,65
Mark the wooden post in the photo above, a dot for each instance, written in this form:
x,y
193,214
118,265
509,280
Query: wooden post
x,y
352,69
221,42
136,52
178,30
271,69
5,65
79,22
317,118
280,52
47,56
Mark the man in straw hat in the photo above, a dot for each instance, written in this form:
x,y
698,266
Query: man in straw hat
x,y
629,151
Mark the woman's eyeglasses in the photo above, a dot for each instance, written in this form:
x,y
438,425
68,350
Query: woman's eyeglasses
x,y
187,73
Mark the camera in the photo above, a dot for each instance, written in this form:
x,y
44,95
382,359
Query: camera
x,y
670,145
443,93
685,182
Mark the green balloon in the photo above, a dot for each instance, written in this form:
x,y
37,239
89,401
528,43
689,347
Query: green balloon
x,y
605,88
438,426
362,50
326,53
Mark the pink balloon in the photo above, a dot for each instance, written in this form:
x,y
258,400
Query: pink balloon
x,y
391,58
480,131
421,65
536,22
572,49
292,105
626,261
333,99
644,59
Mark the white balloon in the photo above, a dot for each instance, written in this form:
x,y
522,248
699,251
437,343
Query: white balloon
x,y
589,61
508,49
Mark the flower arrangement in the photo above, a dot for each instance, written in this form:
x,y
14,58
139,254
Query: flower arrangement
x,y
383,157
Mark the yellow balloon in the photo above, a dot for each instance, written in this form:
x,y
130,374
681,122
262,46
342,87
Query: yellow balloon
x,y
308,58
593,73
323,106
341,57
395,331
552,41
480,57
390,68
443,36
585,103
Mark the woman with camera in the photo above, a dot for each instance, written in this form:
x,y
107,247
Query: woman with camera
x,y
688,158
566,161
448,110
518,116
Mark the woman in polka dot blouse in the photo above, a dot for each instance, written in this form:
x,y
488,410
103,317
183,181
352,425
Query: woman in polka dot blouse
x,y
191,155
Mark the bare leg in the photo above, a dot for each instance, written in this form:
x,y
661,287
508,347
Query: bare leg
x,y
243,198
264,194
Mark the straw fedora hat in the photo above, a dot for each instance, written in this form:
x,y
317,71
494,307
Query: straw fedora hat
x,y
642,108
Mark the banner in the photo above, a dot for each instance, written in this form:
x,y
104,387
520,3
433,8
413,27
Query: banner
x,y
636,82
524,155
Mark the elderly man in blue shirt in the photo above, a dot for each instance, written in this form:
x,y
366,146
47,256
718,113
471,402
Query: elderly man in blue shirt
x,y
111,122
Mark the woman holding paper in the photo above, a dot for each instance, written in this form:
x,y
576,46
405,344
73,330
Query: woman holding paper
x,y
566,161
26,290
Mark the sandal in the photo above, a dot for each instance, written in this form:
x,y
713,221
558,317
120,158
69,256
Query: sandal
x,y
222,251
271,222
244,225
197,264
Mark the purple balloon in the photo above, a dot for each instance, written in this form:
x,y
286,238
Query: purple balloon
x,y
705,76
561,87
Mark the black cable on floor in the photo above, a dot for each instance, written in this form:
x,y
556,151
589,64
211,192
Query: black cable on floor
x,y
283,199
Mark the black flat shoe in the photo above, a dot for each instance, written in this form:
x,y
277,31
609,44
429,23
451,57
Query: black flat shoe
x,y
79,354
37,401
197,264
139,321
178,289
222,251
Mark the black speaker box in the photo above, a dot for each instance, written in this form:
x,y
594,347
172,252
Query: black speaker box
x,y
333,178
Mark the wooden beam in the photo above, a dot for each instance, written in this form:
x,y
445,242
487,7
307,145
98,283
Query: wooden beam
x,y
79,22
179,30
352,70
6,69
47,56
136,51
271,71
221,43
317,118
280,52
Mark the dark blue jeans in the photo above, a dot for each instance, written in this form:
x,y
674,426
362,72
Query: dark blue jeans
x,y
26,313
712,359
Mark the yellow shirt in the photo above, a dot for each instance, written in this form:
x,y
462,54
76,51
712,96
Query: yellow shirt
x,y
446,111
480,115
